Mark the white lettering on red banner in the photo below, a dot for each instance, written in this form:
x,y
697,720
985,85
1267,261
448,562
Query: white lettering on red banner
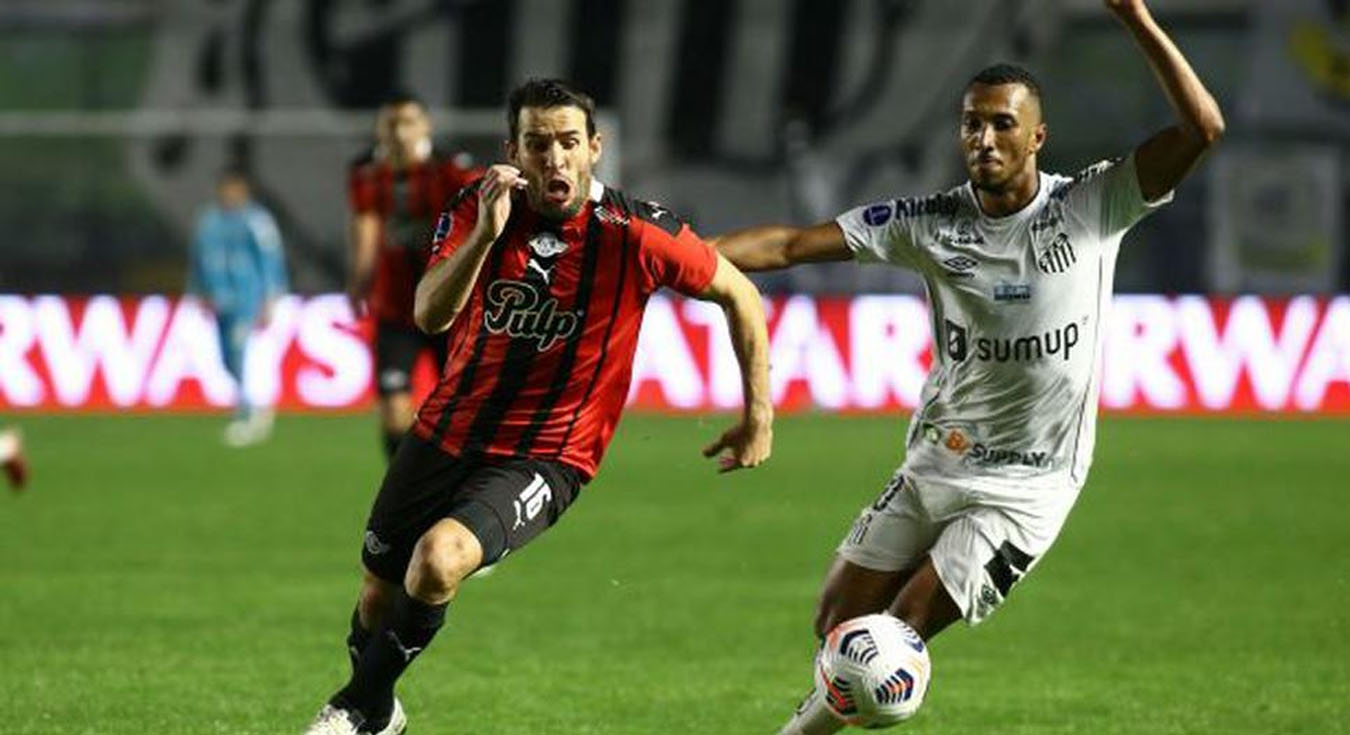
x,y
867,353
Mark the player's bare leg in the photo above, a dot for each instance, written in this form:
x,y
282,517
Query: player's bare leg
x,y
849,592
396,417
924,603
443,557
12,459
917,597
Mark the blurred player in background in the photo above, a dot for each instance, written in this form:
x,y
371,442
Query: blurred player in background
x,y
12,459
395,193
238,270
1019,267
541,274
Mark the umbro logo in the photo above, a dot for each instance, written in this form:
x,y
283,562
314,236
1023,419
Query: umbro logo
x,y
1058,257
960,266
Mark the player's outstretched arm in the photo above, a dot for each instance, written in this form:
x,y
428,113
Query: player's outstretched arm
x,y
1163,160
749,442
445,287
773,246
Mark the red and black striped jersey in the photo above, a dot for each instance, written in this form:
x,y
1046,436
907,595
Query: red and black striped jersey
x,y
542,354
407,201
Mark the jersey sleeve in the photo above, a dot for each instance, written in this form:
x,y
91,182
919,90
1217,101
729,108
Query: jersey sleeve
x,y
670,254
1109,191
454,225
880,232
360,190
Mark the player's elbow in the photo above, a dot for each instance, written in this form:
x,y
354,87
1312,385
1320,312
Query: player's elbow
x,y
1213,131
427,317
1211,127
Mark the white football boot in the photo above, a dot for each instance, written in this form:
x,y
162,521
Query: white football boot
x,y
337,721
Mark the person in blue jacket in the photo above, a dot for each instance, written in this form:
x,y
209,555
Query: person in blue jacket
x,y
238,271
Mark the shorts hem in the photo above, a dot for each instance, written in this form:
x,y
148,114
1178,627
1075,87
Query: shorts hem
x,y
480,518
867,561
962,602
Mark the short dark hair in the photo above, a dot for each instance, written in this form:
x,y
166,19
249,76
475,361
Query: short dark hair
x,y
1007,74
548,93
401,97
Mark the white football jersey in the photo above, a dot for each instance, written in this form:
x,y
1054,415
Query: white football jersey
x,y
1017,309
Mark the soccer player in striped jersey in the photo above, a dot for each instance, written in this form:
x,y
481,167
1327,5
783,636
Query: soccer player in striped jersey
x,y
1018,266
540,274
395,193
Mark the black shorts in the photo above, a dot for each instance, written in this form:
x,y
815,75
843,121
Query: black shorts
x,y
505,503
396,351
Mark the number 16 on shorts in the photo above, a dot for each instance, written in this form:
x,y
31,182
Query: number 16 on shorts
x,y
534,498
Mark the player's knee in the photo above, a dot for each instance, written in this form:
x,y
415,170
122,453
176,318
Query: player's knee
x,y
444,556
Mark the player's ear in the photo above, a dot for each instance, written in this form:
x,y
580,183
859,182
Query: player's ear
x,y
597,145
512,151
1038,137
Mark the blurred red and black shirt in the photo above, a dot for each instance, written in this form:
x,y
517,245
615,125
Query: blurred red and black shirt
x,y
406,201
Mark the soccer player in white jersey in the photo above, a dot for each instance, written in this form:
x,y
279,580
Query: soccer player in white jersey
x,y
1018,266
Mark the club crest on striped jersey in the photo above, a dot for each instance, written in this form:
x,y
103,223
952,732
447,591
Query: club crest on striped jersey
x,y
1058,257
547,245
521,310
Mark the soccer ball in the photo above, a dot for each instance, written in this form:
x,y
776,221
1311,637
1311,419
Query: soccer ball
x,y
873,671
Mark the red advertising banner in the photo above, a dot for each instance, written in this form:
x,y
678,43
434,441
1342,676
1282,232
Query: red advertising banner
x,y
864,353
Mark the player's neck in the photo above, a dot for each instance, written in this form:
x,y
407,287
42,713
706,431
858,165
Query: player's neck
x,y
1012,198
406,159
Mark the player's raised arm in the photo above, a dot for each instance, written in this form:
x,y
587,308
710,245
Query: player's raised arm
x,y
1163,160
749,442
445,287
774,246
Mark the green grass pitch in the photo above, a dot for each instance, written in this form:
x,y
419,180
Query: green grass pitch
x,y
153,581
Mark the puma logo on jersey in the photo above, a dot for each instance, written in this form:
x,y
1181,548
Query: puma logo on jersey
x,y
522,311
544,273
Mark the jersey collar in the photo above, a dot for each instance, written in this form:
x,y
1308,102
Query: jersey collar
x,y
1042,191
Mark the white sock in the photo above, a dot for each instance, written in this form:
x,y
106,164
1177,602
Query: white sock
x,y
812,718
9,444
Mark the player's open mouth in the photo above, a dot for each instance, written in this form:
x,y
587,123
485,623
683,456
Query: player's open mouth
x,y
558,191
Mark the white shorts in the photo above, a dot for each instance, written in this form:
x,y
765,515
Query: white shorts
x,y
982,541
